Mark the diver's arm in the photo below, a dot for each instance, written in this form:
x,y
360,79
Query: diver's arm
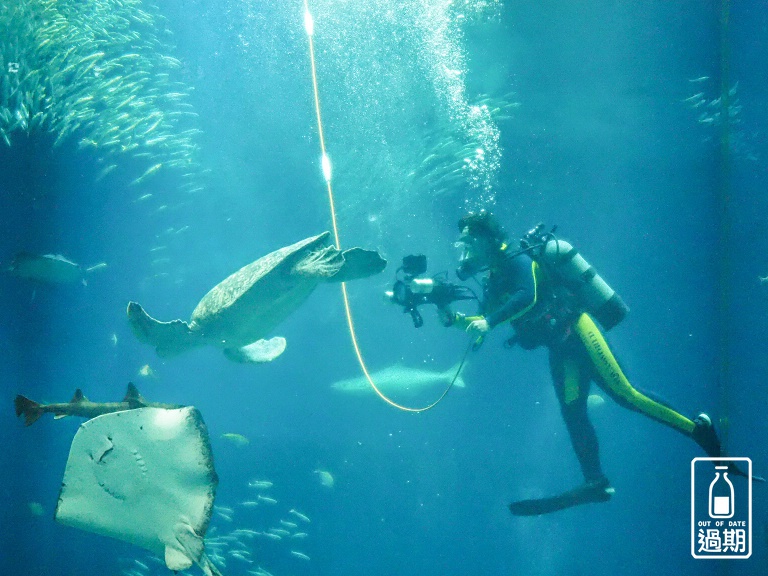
x,y
458,320
522,287
516,304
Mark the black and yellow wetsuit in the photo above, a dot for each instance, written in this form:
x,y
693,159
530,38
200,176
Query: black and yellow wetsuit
x,y
542,313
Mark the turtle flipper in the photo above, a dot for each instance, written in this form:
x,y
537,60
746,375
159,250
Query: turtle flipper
x,y
359,263
258,352
168,338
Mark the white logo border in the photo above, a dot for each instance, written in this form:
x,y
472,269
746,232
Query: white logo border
x,y
693,510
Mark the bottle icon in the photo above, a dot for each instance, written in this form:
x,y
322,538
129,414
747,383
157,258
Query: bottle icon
x,y
721,494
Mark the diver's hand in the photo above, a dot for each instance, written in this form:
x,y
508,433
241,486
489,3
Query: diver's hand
x,y
479,327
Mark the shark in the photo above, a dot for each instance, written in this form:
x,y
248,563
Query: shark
x,y
50,268
84,408
402,380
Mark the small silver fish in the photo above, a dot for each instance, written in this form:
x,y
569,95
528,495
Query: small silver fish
x,y
299,515
694,97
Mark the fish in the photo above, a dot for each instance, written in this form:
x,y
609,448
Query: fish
x,y
401,380
595,401
697,96
288,524
299,555
267,499
113,338
236,439
48,268
246,532
151,170
249,504
82,407
94,56
151,128
260,484
299,515
35,508
147,372
699,79
105,171
300,535
145,477
326,478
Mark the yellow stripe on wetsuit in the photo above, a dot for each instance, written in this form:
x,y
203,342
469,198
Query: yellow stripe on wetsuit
x,y
612,375
571,387
465,321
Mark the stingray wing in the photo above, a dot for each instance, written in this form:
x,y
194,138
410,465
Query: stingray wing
x,y
143,476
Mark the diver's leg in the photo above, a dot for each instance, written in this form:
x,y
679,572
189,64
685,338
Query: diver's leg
x,y
614,382
571,379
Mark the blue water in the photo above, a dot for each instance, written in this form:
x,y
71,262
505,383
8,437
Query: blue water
x,y
595,135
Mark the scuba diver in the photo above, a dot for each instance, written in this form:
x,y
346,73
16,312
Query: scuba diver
x,y
552,297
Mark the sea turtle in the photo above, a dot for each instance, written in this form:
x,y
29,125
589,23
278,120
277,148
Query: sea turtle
x,y
49,268
239,312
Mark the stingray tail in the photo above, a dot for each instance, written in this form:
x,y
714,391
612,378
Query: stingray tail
x,y
359,263
168,338
29,408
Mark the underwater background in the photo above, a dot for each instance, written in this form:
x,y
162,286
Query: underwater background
x,y
637,128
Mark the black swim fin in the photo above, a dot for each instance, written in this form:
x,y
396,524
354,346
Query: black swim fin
x,y
736,471
598,491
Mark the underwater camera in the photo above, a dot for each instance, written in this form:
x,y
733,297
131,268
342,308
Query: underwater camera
x,y
411,289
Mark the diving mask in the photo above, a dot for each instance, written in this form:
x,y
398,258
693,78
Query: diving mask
x,y
473,256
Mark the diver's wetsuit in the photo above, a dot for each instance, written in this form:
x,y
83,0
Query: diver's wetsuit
x,y
518,290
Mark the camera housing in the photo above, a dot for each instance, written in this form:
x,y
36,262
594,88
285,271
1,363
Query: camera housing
x,y
411,290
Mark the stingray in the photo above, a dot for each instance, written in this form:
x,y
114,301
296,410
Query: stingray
x,y
146,477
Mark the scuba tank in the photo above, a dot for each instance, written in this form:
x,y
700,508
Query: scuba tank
x,y
568,266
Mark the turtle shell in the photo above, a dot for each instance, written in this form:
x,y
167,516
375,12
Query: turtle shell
x,y
247,305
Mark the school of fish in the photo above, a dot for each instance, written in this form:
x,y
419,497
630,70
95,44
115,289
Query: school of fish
x,y
98,73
